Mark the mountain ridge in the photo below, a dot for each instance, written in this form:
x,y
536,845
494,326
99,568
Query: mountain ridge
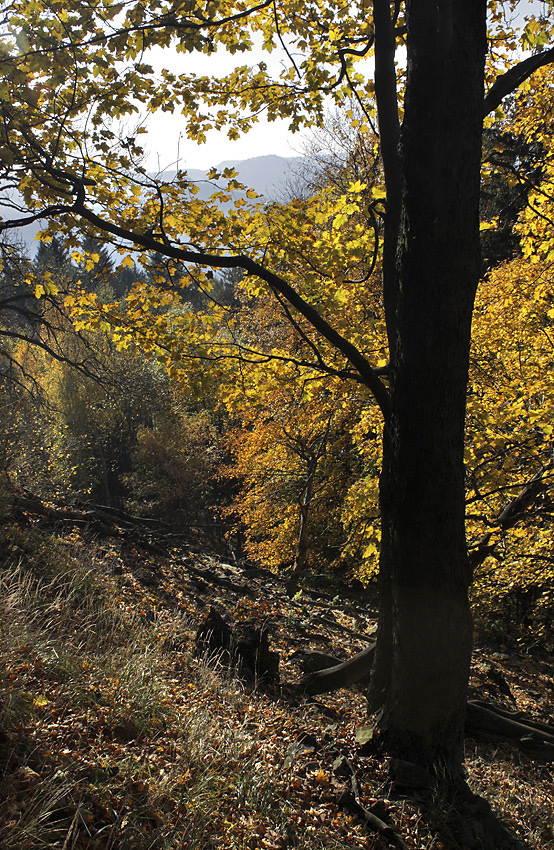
x,y
263,173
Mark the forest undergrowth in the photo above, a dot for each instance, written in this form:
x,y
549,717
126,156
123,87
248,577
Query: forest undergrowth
x,y
116,735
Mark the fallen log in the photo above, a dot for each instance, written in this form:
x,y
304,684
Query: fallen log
x,y
28,503
333,624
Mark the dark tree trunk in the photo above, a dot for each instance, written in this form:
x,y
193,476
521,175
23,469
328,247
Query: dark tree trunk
x,y
424,641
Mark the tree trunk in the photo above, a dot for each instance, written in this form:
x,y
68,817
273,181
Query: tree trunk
x,y
424,641
312,454
302,542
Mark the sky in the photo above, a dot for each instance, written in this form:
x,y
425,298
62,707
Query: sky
x,y
166,142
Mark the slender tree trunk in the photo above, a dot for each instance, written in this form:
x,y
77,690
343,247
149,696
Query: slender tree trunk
x,y
106,476
312,455
301,555
302,541
301,549
424,641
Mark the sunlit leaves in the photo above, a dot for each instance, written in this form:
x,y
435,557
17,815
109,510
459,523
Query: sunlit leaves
x,y
71,71
293,453
75,74
509,428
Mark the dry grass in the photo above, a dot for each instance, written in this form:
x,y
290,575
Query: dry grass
x,y
108,740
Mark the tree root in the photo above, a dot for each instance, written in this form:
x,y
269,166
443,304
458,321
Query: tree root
x,y
343,674
534,739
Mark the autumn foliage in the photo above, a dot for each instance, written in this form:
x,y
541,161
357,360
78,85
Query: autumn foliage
x,y
302,444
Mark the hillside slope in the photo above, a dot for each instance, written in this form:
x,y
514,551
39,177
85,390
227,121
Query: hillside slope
x,y
116,732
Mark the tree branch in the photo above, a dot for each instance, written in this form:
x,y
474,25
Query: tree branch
x,y
512,79
369,376
162,22
509,516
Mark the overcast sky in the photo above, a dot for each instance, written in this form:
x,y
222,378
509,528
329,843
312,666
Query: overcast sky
x,y
165,144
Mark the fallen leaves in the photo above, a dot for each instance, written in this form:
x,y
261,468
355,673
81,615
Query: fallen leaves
x,y
126,737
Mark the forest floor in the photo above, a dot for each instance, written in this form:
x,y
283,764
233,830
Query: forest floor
x,y
115,734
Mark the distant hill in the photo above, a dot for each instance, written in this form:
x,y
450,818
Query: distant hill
x,y
268,175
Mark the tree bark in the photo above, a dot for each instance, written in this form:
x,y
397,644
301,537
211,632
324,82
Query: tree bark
x,y
423,649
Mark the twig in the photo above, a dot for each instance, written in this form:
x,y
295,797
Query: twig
x,y
348,801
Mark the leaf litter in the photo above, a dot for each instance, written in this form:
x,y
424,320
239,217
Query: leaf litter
x,y
114,734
